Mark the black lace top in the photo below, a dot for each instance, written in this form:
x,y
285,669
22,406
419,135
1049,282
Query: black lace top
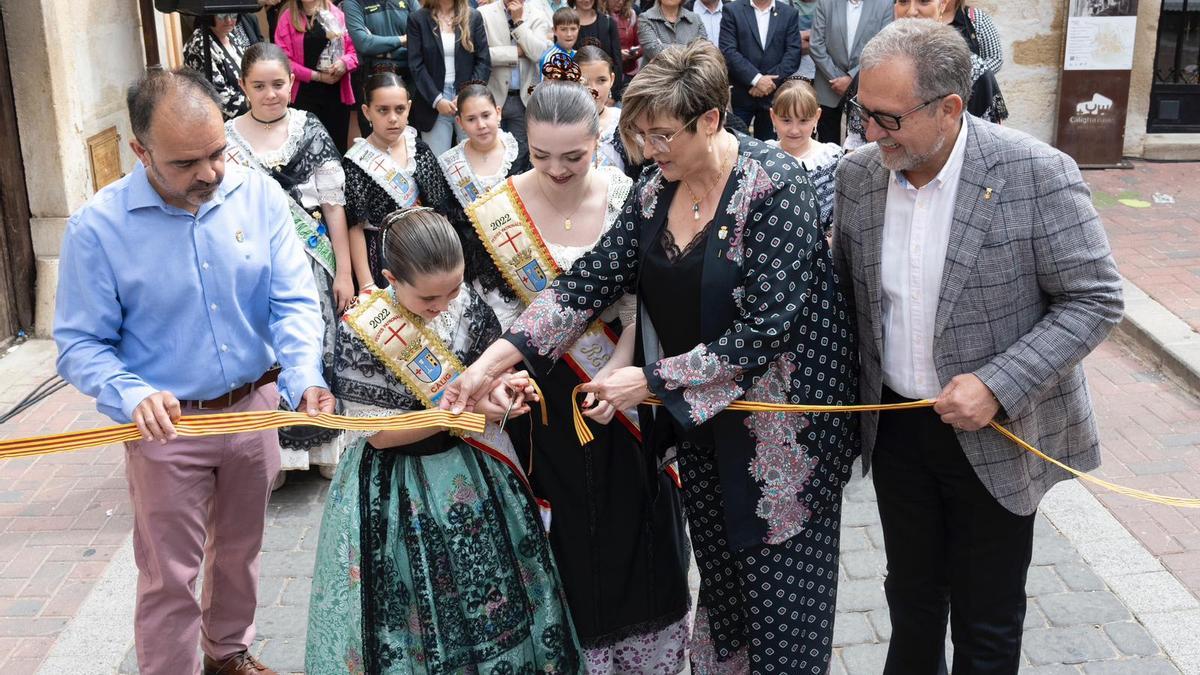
x,y
367,204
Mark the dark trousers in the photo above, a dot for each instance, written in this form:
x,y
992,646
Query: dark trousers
x,y
951,549
512,118
829,127
759,119
325,101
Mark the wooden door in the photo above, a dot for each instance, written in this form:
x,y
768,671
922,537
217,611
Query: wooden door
x,y
16,245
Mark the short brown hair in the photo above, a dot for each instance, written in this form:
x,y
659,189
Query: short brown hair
x,y
566,16
795,98
683,81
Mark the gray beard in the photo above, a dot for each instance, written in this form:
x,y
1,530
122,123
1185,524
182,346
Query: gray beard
x,y
908,161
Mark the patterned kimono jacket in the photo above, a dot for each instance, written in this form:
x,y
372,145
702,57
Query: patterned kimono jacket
x,y
775,328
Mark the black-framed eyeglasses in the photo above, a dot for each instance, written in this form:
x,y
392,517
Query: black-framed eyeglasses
x,y
887,120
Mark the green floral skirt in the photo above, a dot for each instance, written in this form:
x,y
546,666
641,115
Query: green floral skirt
x,y
435,564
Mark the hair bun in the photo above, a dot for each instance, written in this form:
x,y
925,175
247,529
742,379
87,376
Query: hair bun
x,y
591,42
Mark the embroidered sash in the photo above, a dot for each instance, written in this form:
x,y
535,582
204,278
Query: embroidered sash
x,y
382,168
424,364
309,228
521,256
463,180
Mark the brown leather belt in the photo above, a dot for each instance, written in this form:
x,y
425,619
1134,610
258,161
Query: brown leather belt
x,y
231,398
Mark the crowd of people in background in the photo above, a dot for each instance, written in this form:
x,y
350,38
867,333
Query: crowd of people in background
x,y
701,190
335,46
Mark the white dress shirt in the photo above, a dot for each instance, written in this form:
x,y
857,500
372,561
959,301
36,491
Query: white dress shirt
x,y
853,14
711,18
763,16
916,233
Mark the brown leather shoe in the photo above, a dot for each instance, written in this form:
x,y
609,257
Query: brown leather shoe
x,y
238,664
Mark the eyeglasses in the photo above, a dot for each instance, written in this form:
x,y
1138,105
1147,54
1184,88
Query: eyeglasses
x,y
887,120
226,17
659,142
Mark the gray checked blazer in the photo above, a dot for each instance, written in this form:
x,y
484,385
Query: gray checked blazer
x,y
1029,289
827,44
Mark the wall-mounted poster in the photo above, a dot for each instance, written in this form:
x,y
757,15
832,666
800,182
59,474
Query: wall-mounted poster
x,y
1093,91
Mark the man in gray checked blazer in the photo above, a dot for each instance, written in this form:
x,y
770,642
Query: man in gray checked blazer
x,y
981,276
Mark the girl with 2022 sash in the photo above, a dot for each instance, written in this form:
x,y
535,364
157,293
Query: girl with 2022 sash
x,y
616,530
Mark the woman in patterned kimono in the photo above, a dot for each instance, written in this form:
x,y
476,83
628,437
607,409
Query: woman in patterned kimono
x,y
738,300
432,556
486,158
389,169
616,530
293,148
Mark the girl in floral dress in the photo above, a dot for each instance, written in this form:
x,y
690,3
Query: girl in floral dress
x,y
432,557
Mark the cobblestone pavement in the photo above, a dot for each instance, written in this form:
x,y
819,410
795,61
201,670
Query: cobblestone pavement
x,y
65,520
1075,624
1156,242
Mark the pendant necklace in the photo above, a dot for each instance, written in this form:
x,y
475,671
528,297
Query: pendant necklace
x,y
566,218
267,123
696,201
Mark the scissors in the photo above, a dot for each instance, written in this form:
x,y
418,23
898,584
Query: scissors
x,y
504,420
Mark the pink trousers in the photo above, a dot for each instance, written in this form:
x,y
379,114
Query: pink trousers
x,y
199,499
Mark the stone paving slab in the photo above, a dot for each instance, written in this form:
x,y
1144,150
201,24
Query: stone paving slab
x,y
1075,623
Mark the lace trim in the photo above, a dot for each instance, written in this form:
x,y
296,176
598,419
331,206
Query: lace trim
x,y
283,154
330,182
349,438
410,147
619,186
674,255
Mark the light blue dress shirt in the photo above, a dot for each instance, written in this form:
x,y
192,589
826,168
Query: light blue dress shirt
x,y
711,20
152,298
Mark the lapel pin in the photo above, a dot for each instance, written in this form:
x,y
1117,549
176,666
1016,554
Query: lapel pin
x,y
239,236
722,233
987,194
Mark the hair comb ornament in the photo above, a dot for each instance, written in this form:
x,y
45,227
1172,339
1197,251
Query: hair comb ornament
x,y
395,216
563,68
469,83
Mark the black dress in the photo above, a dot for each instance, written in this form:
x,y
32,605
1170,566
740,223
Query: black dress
x,y
604,31
321,99
368,204
765,577
617,530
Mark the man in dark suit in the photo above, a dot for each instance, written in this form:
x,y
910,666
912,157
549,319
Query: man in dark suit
x,y
981,277
761,43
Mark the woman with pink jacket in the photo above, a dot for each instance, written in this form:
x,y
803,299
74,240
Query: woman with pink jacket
x,y
314,36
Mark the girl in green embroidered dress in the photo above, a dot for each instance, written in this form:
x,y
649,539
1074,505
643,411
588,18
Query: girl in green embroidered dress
x,y
432,557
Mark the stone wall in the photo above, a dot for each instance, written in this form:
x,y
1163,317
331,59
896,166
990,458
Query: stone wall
x,y
71,62
1032,32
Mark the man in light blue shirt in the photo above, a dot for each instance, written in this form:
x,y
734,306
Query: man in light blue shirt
x,y
181,286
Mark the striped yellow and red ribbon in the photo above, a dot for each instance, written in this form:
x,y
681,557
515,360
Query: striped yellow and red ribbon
x,y
233,423
585,436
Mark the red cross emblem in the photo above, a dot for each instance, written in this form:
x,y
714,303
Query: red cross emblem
x,y
509,241
377,165
395,333
458,172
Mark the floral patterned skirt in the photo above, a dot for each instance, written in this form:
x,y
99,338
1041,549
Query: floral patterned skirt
x,y
434,564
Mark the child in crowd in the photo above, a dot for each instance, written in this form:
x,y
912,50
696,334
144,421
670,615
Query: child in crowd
x,y
566,34
795,112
